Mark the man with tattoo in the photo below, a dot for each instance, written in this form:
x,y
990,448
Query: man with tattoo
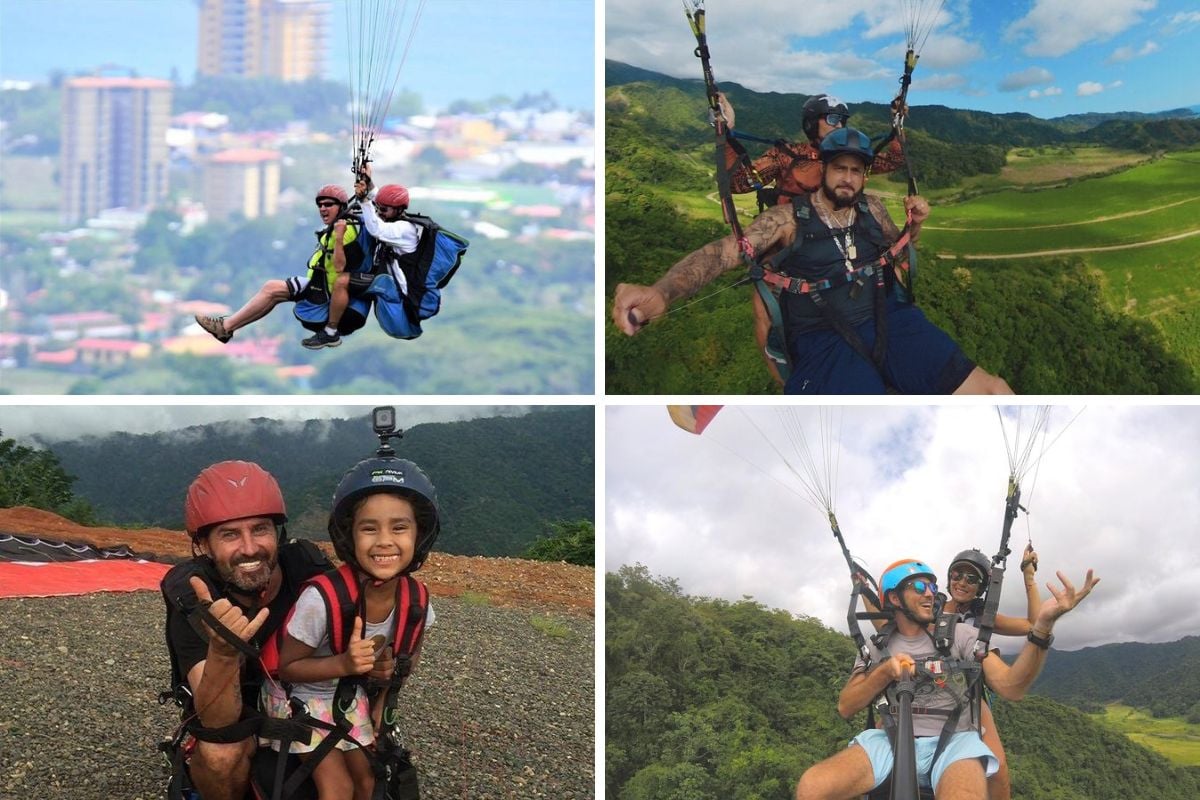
x,y
845,337
793,169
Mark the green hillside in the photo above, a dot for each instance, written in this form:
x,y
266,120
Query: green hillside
x,y
1008,187
709,699
502,481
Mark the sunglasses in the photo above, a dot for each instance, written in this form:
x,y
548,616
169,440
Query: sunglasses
x,y
836,120
919,586
327,203
387,209
971,578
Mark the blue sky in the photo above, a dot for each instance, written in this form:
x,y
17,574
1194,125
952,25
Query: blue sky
x,y
468,49
1043,57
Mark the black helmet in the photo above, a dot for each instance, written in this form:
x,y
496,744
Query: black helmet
x,y
847,141
976,559
384,474
818,106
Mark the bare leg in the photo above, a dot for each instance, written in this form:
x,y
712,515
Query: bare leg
x,y
841,776
962,780
998,785
270,295
762,327
339,299
980,382
222,771
331,776
360,773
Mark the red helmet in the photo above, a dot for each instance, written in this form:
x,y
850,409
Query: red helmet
x,y
231,490
333,192
393,195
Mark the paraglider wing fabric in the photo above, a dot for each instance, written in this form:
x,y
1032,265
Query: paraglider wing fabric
x,y
34,567
693,419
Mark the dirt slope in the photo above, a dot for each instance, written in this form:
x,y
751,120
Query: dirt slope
x,y
509,582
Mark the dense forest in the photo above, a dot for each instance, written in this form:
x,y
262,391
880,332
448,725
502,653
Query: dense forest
x,y
1161,678
503,482
1043,324
710,699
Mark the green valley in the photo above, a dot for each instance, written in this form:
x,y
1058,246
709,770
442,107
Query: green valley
x,y
1068,269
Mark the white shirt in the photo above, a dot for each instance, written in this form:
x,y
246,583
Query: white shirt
x,y
401,235
307,625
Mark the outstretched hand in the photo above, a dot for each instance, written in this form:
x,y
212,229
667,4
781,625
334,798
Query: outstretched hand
x,y
918,207
634,306
1065,599
229,615
726,108
359,657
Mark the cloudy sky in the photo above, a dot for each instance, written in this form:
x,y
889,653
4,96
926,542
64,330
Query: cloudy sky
x,y
1118,491
1044,57
72,420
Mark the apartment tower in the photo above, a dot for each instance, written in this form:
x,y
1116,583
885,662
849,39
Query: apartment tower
x,y
282,39
114,144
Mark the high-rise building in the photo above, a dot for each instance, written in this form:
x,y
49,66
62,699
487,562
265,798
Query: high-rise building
x,y
114,144
283,39
244,182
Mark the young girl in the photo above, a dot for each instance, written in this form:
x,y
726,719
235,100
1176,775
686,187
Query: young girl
x,y
383,524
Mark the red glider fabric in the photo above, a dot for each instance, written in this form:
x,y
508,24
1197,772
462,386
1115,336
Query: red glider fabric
x,y
56,579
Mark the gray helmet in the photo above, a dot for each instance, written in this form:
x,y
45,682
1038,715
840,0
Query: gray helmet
x,y
847,141
384,474
819,106
976,559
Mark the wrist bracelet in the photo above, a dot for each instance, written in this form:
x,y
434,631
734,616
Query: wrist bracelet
x,y
1038,641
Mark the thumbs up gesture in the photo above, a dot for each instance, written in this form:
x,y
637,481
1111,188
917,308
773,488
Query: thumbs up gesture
x,y
359,657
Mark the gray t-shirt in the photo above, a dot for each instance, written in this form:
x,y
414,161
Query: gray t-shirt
x,y
928,694
307,625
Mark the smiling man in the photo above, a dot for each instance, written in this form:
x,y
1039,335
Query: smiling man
x,y
950,756
844,333
333,259
248,578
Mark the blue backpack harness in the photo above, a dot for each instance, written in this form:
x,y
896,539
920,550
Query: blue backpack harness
x,y
379,277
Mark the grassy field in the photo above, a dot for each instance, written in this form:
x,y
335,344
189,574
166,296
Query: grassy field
x,y
1175,739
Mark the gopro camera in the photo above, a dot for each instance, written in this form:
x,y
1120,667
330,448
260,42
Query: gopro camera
x,y
383,420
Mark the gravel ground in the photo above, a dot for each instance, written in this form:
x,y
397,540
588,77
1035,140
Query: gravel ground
x,y
503,703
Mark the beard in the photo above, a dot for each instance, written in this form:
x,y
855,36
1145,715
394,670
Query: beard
x,y
249,582
840,197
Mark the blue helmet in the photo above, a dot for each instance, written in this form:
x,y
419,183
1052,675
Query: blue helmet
x,y
901,571
847,141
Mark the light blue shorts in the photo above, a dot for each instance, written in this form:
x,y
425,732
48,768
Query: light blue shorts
x,y
964,744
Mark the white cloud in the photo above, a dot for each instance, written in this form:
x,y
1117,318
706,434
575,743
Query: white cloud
x,y
771,49
1056,27
1015,81
921,482
1049,91
1127,53
1182,21
1091,87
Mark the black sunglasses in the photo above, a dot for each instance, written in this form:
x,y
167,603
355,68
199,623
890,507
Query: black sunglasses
x,y
971,578
327,203
919,586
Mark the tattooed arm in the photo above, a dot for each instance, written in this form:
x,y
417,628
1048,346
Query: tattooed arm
x,y
634,305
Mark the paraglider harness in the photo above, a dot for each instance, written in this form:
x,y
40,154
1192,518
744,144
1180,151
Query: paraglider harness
x,y
378,279
282,776
962,677
771,279
767,280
